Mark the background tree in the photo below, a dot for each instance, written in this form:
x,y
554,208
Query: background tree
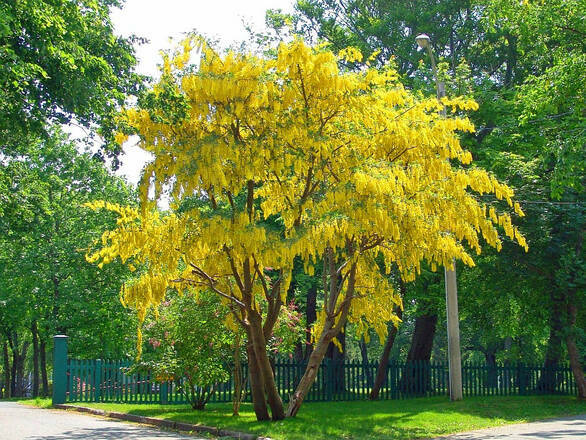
x,y
60,62
45,276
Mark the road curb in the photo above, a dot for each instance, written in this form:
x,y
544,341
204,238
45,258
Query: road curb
x,y
170,424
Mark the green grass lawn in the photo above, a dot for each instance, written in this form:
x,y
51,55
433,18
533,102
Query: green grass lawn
x,y
391,419
39,402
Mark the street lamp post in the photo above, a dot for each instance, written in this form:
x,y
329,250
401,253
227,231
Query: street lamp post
x,y
454,355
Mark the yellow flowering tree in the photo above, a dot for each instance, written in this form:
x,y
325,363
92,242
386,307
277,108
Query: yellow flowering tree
x,y
271,159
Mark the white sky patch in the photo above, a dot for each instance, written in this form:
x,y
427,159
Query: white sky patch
x,y
160,20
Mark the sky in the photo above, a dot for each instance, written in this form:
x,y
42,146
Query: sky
x,y
160,20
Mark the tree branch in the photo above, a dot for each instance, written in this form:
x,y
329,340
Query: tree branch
x,y
234,270
210,282
250,198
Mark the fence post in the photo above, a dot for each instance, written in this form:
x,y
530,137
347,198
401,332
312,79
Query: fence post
x,y
59,368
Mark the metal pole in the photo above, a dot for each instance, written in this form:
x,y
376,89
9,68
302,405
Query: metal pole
x,y
450,279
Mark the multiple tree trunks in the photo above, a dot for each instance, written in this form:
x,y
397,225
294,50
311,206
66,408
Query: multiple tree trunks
x,y
262,384
264,366
15,352
259,402
17,373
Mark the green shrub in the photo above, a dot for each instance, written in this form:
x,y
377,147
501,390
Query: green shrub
x,y
187,344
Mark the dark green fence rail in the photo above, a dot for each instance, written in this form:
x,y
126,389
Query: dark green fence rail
x,y
109,381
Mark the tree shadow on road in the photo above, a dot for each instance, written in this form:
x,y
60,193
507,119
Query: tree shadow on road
x,y
113,432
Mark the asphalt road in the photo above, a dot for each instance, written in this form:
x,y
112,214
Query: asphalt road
x,y
20,422
569,428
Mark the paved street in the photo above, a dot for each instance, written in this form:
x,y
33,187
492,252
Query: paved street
x,y
570,428
20,422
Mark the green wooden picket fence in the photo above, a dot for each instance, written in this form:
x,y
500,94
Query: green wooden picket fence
x,y
109,381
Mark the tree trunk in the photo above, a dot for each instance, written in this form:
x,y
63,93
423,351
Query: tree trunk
x,y
381,371
330,330
416,378
264,366
237,374
310,318
573,352
18,361
336,357
298,355
336,315
491,373
256,385
422,340
312,368
35,337
7,378
21,364
43,359
547,381
365,365
262,379
14,366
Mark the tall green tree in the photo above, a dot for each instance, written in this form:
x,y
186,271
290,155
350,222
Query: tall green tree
x,y
539,143
389,26
46,285
60,61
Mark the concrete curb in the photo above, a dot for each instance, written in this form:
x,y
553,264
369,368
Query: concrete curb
x,y
170,424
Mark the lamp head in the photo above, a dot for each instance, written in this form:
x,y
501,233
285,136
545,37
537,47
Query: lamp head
x,y
423,40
